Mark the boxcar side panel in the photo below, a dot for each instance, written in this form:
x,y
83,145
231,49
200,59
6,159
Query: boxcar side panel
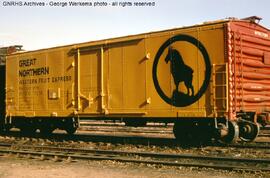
x,y
115,78
12,90
38,88
191,46
90,81
134,76
40,84
153,43
160,74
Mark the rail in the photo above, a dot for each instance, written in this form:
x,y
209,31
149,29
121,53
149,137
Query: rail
x,y
184,160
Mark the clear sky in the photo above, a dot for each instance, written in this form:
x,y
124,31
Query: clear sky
x,y
38,27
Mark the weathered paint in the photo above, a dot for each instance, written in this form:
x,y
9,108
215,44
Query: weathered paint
x,y
249,49
184,72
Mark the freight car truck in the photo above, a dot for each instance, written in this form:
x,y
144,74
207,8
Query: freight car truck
x,y
210,80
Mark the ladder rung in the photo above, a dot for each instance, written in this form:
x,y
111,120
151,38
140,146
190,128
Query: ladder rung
x,y
222,98
223,72
220,85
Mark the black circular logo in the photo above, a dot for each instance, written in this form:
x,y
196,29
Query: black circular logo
x,y
181,72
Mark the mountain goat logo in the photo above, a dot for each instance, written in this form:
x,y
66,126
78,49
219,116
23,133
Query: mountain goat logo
x,y
181,72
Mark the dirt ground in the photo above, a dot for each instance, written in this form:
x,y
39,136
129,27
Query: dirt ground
x,y
13,167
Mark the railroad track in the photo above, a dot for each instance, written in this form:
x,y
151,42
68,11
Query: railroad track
x,y
264,135
118,128
134,140
183,160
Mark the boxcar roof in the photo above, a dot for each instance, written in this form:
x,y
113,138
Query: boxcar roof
x,y
143,35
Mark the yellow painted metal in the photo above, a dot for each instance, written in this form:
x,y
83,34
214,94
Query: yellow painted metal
x,y
102,94
112,77
78,83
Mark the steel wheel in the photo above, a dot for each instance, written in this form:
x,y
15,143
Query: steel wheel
x,y
232,132
248,131
71,125
71,130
